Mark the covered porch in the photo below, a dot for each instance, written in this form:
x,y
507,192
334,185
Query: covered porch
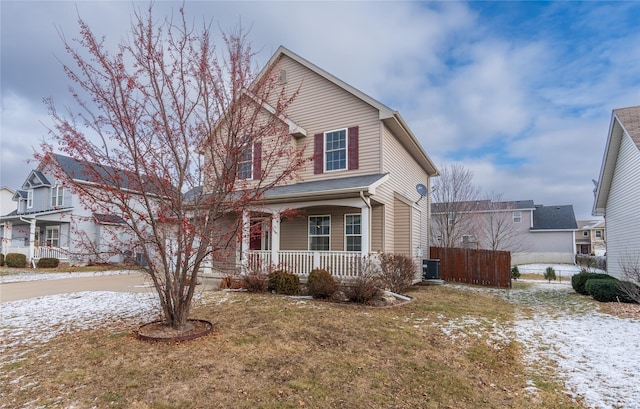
x,y
334,225
36,238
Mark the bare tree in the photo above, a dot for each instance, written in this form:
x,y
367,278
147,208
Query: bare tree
x,y
454,198
631,275
495,225
178,141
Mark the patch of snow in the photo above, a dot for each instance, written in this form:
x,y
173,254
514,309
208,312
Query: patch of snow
x,y
37,320
27,275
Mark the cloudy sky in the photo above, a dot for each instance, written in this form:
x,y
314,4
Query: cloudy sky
x,y
520,93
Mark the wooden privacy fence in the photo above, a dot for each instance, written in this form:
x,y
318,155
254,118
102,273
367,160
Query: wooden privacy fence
x,y
481,267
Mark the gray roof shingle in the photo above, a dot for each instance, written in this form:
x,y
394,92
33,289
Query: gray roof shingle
x,y
554,218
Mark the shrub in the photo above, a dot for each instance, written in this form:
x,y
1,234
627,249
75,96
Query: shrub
x,y
364,288
16,260
255,283
230,282
397,272
283,282
321,284
47,262
1,259
606,290
579,280
549,274
515,273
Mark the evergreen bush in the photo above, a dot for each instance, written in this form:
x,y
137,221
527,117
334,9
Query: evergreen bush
x,y
579,280
283,282
606,290
321,284
549,274
515,273
16,260
48,262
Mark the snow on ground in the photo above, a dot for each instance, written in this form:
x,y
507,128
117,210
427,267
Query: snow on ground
x,y
596,354
27,275
37,320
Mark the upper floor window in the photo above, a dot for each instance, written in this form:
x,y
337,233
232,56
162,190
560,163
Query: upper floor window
x,y
56,195
585,233
450,219
517,216
245,162
353,232
598,233
335,143
29,198
319,233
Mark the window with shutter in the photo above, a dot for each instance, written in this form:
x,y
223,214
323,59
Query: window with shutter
x,y
336,150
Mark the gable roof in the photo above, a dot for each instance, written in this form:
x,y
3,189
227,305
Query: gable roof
x,y
623,121
389,117
92,173
554,218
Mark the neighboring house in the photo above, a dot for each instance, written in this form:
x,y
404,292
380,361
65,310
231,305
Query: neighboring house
x,y
6,205
532,233
617,195
357,196
48,221
590,238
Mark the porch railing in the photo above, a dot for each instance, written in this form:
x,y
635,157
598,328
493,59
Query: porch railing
x,y
61,253
343,264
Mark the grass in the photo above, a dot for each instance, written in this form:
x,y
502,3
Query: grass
x,y
278,352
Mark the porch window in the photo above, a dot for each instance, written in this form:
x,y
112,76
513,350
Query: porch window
x,y
52,238
319,233
56,195
353,232
517,217
335,150
245,162
29,198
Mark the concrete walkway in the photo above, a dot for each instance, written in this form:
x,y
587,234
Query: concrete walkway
x,y
129,283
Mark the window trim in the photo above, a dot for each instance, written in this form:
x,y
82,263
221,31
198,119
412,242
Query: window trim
x,y
352,235
518,218
30,199
326,151
309,235
246,146
48,240
57,195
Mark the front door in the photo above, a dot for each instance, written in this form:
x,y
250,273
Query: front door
x,y
260,235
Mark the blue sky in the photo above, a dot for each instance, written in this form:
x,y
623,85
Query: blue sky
x,y
520,93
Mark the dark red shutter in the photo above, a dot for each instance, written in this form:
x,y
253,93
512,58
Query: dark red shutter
x,y
318,153
353,148
257,160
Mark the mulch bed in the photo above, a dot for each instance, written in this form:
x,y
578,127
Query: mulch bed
x,y
158,331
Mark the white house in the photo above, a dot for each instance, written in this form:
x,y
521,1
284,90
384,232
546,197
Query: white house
x,y
617,195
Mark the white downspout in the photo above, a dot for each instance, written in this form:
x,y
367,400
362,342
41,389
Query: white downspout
x,y
367,202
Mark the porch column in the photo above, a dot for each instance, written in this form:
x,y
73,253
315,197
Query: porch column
x,y
245,243
32,239
365,215
275,238
6,239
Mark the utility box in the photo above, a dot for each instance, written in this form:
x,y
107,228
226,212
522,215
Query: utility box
x,y
430,269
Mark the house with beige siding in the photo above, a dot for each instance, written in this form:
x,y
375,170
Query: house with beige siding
x,y
357,194
590,238
617,195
